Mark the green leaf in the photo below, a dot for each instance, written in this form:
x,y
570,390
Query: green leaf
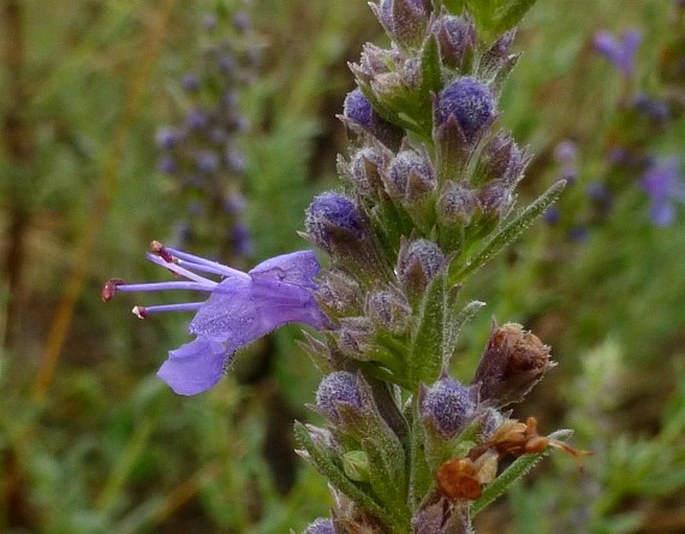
x,y
431,80
325,465
510,13
506,235
454,6
454,326
519,468
425,358
420,475
483,12
499,486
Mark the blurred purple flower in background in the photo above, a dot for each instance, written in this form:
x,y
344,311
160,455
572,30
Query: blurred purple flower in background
x,y
663,183
621,52
566,155
241,308
201,150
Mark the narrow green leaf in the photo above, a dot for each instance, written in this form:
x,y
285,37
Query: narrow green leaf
x,y
425,359
454,6
337,477
454,326
510,13
508,234
430,68
499,486
483,12
420,476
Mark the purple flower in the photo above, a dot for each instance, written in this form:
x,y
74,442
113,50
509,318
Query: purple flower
x,y
621,52
662,182
241,308
240,236
167,138
551,215
190,82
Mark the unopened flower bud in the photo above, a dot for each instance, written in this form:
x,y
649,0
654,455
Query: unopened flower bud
x,y
457,40
322,525
448,405
410,176
496,199
374,62
457,204
513,362
339,387
498,56
418,263
356,465
470,102
340,294
333,219
501,159
389,310
366,168
405,20
358,110
355,337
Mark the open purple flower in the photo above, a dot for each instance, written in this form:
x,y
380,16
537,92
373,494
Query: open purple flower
x,y
241,308
664,185
621,52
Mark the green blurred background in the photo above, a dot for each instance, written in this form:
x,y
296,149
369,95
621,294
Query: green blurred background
x,y
92,441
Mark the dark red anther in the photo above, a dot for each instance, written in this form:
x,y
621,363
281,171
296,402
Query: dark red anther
x,y
140,312
110,288
157,248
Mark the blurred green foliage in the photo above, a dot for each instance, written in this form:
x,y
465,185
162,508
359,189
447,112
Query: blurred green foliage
x,y
91,441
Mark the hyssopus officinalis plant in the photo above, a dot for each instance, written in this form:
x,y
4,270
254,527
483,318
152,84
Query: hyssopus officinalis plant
x,y
428,197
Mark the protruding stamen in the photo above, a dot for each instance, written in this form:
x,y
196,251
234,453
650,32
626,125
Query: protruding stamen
x,y
166,286
197,263
160,250
139,311
177,269
143,312
110,288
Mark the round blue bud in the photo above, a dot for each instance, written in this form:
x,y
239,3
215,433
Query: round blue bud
x,y
358,109
470,102
321,526
332,217
449,405
337,387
